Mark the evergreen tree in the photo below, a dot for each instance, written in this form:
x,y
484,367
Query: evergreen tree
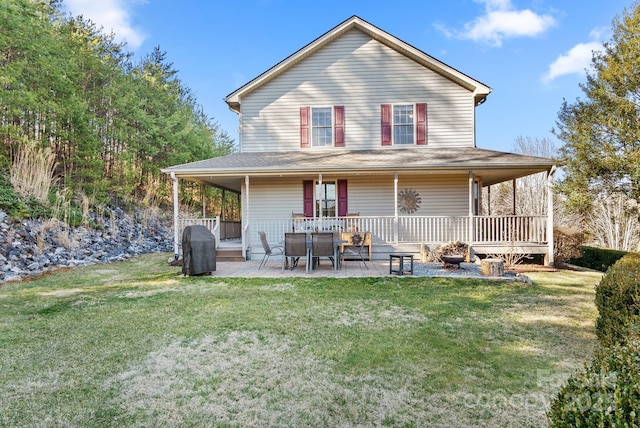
x,y
601,133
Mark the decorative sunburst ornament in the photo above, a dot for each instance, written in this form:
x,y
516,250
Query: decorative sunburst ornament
x,y
408,201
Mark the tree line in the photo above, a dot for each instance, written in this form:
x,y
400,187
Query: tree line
x,y
110,122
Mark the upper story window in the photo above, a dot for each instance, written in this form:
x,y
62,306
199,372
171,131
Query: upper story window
x,y
404,124
322,126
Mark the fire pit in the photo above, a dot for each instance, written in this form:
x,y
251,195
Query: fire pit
x,y
452,261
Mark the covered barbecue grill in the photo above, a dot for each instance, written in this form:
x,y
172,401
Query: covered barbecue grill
x,y
198,250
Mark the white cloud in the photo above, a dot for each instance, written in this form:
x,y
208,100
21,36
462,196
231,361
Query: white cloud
x,y
577,59
502,21
113,15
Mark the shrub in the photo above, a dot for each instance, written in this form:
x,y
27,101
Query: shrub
x,y
618,301
604,394
566,244
597,258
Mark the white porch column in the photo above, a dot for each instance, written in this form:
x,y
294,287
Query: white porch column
x,y
204,201
550,259
245,218
176,213
395,205
513,203
319,225
471,234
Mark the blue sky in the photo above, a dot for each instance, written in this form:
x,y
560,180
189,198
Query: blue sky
x,y
532,53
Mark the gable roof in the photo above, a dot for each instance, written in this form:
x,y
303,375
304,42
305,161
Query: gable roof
x,y
479,89
493,166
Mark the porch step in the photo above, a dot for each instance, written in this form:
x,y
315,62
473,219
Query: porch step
x,y
229,255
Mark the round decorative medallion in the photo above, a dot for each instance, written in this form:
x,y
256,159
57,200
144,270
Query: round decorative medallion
x,y
408,201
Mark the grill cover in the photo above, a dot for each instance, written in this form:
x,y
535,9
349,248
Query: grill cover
x,y
198,250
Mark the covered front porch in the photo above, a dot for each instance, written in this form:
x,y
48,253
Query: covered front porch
x,y
410,200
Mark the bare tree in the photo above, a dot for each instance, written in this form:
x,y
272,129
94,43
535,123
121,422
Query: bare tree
x,y
614,223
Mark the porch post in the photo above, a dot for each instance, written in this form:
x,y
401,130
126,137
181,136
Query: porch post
x,y
489,199
470,237
549,259
204,202
514,196
245,218
396,224
319,225
176,222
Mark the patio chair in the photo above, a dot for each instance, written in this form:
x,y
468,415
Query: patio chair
x,y
322,246
356,250
295,246
268,250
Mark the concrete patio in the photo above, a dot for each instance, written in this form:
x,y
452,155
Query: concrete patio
x,y
350,269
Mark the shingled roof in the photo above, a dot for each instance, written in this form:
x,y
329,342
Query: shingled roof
x,y
346,162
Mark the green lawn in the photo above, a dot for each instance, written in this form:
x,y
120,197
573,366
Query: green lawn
x,y
134,344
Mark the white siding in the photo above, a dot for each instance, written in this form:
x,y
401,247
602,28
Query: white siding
x,y
441,195
359,73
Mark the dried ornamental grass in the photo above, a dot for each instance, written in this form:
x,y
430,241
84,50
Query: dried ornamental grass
x,y
32,171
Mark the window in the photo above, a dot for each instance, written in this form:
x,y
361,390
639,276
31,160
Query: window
x,y
403,124
330,198
321,129
322,126
326,199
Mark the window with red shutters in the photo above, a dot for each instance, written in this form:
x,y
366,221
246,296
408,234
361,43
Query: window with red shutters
x,y
399,125
322,127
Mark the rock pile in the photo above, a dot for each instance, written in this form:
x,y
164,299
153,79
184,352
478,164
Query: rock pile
x,y
32,247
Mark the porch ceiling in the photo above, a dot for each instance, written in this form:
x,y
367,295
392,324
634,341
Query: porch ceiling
x,y
492,166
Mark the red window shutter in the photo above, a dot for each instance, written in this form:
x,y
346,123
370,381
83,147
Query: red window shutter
x,y
343,208
421,123
307,186
338,112
385,121
304,127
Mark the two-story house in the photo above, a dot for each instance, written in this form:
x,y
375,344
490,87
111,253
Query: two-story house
x,y
360,130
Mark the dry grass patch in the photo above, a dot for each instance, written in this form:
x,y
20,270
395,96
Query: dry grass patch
x,y
251,379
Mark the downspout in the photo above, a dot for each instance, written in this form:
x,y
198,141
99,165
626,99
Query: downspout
x,y
550,258
176,222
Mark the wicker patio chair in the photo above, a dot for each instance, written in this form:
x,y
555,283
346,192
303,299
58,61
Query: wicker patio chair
x,y
269,250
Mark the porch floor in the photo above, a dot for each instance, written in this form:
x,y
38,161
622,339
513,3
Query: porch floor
x,y
350,269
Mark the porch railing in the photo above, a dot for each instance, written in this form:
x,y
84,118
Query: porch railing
x,y
415,229
385,229
530,229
